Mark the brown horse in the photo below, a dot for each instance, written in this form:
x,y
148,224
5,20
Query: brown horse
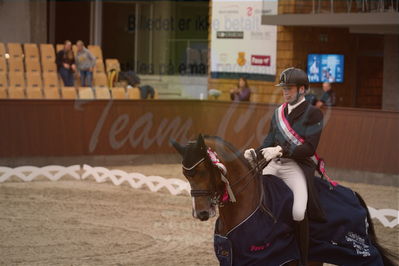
x,y
229,184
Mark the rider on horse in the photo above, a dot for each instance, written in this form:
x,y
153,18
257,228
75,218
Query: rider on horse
x,y
290,158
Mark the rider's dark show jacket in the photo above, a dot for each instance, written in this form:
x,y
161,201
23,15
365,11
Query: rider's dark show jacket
x,y
307,121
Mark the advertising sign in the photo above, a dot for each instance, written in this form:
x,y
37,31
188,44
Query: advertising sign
x,y
240,45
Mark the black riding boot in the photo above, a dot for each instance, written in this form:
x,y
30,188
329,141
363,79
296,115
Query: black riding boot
x,y
302,238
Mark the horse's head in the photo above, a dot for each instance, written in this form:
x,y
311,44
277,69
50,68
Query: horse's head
x,y
203,175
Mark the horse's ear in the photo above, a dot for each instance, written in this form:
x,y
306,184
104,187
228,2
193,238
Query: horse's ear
x,y
201,142
177,146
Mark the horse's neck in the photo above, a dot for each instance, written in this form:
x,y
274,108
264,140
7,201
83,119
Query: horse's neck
x,y
247,192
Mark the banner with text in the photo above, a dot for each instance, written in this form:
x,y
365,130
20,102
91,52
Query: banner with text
x,y
240,45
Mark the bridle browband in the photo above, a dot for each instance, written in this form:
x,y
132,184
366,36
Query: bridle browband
x,y
202,192
195,165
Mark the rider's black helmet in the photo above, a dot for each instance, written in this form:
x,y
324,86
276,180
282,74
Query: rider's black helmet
x,y
293,76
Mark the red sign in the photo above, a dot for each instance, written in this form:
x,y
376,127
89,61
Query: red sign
x,y
260,60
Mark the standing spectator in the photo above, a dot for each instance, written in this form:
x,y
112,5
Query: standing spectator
x,y
85,62
242,92
328,97
66,64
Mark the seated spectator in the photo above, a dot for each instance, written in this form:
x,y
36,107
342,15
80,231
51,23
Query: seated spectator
x,y
66,64
147,91
242,92
85,63
328,97
134,81
130,77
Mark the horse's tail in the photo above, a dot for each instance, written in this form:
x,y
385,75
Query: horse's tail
x,y
387,256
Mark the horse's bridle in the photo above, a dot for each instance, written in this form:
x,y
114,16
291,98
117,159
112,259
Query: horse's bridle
x,y
214,194
190,171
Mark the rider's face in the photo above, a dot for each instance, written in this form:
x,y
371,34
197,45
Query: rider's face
x,y
290,93
68,46
241,83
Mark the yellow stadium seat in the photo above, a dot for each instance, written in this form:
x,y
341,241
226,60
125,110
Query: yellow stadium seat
x,y
34,93
100,80
68,93
103,93
50,80
3,80
34,80
15,65
99,68
96,51
16,93
15,50
32,65
3,93
112,64
17,79
133,93
85,93
3,65
47,52
118,93
49,66
51,93
31,51
59,47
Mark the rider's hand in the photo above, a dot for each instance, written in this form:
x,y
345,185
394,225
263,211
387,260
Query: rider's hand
x,y
272,152
248,156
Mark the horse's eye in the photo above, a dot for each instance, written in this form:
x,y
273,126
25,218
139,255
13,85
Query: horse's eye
x,y
189,173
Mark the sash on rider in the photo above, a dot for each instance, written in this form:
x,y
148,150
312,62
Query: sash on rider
x,y
295,139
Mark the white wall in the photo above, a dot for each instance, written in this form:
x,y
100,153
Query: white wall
x,y
177,87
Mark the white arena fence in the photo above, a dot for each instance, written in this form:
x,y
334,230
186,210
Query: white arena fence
x,y
136,180
387,217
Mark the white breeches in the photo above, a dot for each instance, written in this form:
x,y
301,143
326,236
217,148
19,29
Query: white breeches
x,y
292,175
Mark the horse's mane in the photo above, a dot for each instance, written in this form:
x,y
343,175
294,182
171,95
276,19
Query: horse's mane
x,y
235,153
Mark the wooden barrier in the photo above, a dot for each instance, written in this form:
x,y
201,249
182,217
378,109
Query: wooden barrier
x,y
357,139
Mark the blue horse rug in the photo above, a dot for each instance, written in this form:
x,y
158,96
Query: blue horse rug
x,y
266,237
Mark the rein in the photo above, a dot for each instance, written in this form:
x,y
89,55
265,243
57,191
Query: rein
x,y
259,166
